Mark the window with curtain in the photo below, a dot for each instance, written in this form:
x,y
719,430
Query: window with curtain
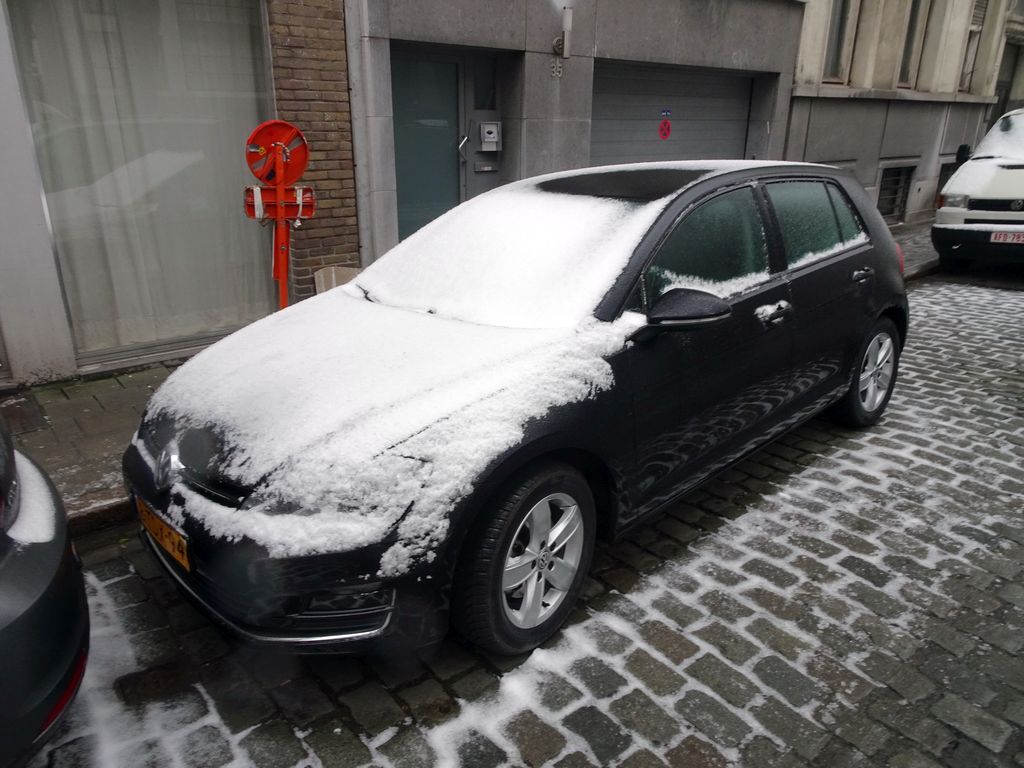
x,y
139,113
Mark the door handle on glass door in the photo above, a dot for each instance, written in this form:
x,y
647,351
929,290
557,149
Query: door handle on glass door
x,y
863,274
462,144
773,314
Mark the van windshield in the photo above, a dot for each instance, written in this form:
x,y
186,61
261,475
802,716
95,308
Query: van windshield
x,y
1006,139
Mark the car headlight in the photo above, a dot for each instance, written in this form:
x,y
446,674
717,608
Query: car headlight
x,y
953,201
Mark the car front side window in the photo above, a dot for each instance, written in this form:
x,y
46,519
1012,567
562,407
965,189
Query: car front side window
x,y
815,221
719,247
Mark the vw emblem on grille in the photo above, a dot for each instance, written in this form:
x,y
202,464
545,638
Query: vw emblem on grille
x,y
1017,205
167,466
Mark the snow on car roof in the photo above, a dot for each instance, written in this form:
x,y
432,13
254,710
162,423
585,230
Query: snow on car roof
x,y
537,253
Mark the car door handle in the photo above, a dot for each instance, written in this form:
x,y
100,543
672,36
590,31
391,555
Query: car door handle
x,y
773,314
863,274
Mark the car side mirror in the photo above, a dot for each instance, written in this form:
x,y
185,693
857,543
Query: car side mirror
x,y
683,308
963,154
687,307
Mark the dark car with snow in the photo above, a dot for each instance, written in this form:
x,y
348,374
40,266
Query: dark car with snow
x,y
44,619
441,441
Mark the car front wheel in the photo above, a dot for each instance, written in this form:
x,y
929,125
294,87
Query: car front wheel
x,y
523,571
873,378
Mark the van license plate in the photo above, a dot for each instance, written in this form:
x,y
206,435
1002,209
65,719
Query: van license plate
x,y
1007,237
174,543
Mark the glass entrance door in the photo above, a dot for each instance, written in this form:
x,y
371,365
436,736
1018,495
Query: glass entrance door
x,y
427,114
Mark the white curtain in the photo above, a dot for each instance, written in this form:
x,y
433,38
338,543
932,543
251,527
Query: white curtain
x,y
140,110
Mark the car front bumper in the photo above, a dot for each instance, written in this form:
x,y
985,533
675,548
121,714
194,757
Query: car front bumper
x,y
330,603
962,242
44,632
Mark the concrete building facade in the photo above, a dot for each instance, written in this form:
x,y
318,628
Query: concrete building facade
x,y
665,79
891,89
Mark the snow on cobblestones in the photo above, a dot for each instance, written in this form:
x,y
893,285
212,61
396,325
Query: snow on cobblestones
x,y
867,508
119,735
839,578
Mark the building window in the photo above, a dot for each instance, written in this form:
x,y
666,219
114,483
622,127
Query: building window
x,y
973,39
842,25
913,41
139,113
892,193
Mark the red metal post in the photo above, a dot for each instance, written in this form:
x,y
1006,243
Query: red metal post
x,y
277,153
282,231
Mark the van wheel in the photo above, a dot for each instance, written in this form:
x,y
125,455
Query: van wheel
x,y
873,377
522,572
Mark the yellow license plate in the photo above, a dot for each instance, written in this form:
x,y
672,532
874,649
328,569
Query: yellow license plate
x,y
163,534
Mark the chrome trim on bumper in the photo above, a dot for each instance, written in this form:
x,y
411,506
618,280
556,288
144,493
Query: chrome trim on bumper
x,y
258,637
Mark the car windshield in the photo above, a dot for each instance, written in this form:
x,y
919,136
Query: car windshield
x,y
534,254
1005,139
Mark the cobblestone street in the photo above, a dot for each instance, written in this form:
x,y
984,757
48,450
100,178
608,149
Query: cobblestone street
x,y
842,598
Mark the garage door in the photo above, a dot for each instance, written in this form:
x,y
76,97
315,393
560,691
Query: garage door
x,y
707,112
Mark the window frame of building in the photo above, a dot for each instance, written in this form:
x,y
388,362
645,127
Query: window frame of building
x,y
913,43
970,59
978,12
904,173
844,40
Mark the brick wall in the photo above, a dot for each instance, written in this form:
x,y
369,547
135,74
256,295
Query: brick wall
x,y
307,40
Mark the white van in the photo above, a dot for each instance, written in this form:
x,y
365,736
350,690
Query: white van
x,y
981,208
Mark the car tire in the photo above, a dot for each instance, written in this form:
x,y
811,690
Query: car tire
x,y
523,569
873,377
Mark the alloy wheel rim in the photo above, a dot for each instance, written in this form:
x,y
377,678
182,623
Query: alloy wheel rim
x,y
876,371
542,560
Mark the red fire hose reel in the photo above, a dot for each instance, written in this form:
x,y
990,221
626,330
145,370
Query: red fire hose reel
x,y
277,154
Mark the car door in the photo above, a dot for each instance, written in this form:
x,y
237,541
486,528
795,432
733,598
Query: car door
x,y
701,394
828,264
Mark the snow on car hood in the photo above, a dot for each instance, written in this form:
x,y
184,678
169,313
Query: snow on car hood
x,y
359,417
988,177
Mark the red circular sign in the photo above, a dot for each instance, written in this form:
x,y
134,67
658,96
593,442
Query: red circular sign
x,y
665,129
260,150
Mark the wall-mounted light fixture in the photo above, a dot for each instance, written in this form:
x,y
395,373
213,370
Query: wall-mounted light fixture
x,y
561,44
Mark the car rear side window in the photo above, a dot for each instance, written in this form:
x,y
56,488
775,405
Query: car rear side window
x,y
849,224
815,220
718,247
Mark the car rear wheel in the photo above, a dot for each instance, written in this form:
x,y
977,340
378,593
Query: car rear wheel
x,y
522,572
873,377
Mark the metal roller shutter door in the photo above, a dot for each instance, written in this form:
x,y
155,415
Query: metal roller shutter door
x,y
709,113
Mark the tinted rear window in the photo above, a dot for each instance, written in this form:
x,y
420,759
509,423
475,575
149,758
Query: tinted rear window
x,y
849,225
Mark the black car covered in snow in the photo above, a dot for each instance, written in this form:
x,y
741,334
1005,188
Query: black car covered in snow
x,y
441,441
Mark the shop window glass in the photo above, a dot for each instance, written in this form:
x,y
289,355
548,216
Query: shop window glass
x,y
139,112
